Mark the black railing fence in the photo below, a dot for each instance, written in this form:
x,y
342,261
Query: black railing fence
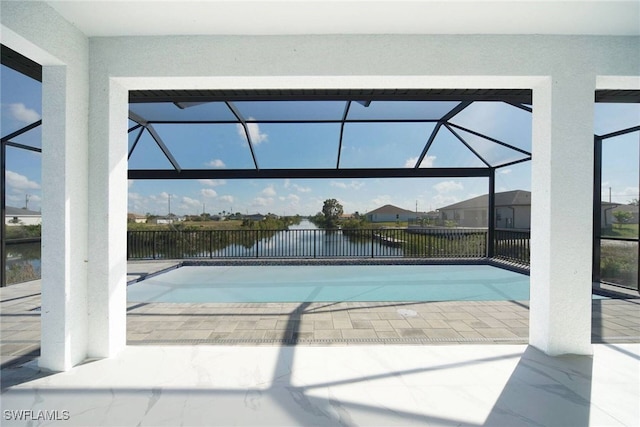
x,y
318,243
513,246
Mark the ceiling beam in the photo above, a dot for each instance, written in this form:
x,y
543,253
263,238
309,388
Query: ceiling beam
x,y
308,173
523,96
243,122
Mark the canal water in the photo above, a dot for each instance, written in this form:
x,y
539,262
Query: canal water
x,y
305,239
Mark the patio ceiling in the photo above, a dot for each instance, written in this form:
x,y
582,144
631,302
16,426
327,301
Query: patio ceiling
x,y
327,133
269,17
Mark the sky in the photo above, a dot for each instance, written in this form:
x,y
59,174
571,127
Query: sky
x,y
397,145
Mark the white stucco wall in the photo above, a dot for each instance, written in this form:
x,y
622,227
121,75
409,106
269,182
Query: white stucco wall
x,y
562,71
36,31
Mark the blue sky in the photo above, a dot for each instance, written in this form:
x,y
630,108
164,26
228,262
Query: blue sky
x,y
221,146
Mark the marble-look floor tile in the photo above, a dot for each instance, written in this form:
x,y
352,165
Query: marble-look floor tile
x,y
390,385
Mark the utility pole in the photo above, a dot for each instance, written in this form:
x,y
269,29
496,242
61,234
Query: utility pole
x,y
26,201
169,205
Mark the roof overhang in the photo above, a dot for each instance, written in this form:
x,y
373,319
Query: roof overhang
x,y
296,17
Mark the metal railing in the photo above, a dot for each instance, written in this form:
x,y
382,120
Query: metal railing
x,y
513,246
308,243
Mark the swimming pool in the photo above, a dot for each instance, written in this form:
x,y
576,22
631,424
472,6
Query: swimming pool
x,y
332,283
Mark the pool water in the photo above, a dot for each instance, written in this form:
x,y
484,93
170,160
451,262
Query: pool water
x,y
332,283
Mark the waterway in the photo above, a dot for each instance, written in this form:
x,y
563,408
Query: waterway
x,y
307,240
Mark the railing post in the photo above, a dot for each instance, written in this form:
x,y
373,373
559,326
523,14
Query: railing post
x,y
372,247
492,214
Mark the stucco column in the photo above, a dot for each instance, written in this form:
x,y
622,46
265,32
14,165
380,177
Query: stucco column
x,y
561,214
64,240
108,215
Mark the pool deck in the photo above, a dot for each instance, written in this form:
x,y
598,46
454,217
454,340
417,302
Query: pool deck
x,y
347,323
328,364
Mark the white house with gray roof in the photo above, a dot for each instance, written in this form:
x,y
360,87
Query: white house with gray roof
x,y
513,210
19,216
389,213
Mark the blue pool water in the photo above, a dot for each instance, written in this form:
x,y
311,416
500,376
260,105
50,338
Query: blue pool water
x,y
331,283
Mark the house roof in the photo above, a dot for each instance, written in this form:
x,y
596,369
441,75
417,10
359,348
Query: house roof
x,y
507,198
390,209
12,211
627,208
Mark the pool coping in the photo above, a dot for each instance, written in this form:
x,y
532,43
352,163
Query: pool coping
x,y
494,262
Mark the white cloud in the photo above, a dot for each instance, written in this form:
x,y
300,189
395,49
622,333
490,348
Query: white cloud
x,y
212,182
269,191
189,202
226,198
428,162
381,200
440,200
301,189
135,196
130,183
354,185
23,114
164,195
287,183
256,136
18,182
448,186
262,201
410,162
216,163
293,198
505,171
208,192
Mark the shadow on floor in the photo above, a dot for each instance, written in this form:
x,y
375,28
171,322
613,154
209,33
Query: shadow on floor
x,y
545,391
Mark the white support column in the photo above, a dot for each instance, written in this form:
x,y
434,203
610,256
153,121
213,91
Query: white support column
x,y
562,194
64,243
108,212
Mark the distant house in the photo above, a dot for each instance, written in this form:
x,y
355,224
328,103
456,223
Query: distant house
x,y
164,220
513,210
137,218
607,218
18,216
254,217
388,213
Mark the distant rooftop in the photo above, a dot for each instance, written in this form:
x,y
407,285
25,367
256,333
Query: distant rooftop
x,y
389,209
13,211
506,198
